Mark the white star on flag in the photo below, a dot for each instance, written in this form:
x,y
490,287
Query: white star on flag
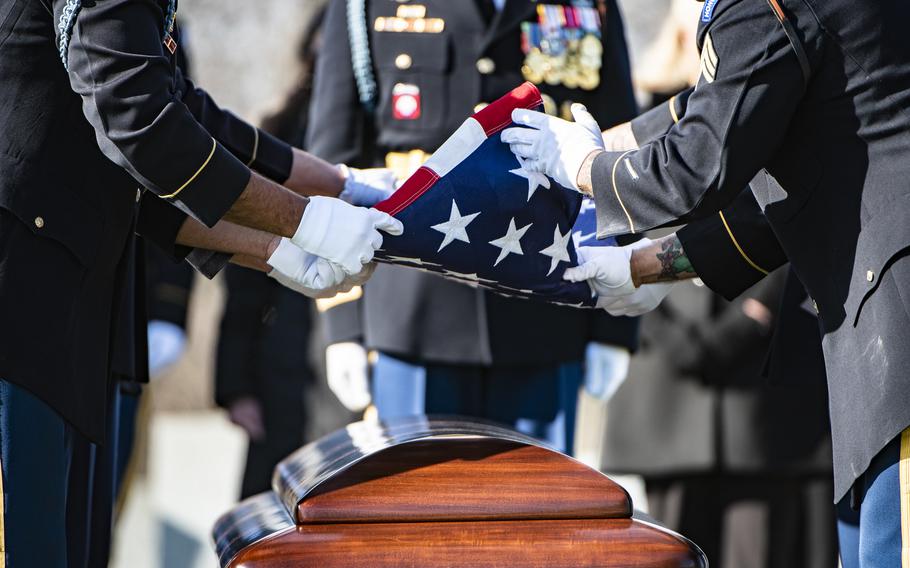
x,y
535,179
455,228
559,250
510,242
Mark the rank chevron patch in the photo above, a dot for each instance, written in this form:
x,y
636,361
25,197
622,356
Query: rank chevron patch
x,y
709,59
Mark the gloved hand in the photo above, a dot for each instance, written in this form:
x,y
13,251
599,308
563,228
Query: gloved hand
x,y
644,299
167,342
367,187
311,275
606,368
609,273
346,370
554,146
346,235
607,270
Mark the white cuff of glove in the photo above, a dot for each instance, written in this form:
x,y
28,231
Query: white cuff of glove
x,y
305,273
366,187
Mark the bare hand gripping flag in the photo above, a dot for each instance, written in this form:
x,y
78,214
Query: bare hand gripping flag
x,y
472,213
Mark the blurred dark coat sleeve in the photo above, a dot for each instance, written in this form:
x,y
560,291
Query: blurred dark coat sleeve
x,y
239,341
734,248
717,348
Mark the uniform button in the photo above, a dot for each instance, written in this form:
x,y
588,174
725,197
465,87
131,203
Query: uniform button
x,y
815,306
480,106
485,65
138,194
403,61
39,222
870,276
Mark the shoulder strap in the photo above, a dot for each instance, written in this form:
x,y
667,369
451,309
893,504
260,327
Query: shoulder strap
x,y
361,59
794,39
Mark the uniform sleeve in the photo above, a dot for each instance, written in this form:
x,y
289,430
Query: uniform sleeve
x,y
131,96
734,248
336,116
256,148
735,120
651,125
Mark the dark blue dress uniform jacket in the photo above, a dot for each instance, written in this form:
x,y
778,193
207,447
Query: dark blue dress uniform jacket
x,y
93,108
419,316
829,158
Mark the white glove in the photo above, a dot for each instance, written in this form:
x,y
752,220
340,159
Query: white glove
x,y
609,273
607,270
346,371
342,233
367,187
606,368
167,342
554,146
311,275
643,300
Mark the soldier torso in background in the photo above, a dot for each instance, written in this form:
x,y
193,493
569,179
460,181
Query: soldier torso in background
x,y
435,62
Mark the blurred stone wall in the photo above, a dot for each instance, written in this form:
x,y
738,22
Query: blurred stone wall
x,y
244,54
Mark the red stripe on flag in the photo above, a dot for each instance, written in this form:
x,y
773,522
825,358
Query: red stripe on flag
x,y
416,185
492,118
498,114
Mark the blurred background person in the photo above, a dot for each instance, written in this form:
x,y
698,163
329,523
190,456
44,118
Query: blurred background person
x,y
264,374
416,72
739,465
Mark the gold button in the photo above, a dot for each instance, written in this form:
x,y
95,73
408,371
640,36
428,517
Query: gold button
x,y
480,106
815,306
870,276
403,61
39,222
485,65
138,194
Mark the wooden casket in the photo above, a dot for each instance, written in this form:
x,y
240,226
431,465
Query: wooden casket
x,y
425,492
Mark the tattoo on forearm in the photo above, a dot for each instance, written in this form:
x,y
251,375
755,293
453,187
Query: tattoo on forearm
x,y
674,264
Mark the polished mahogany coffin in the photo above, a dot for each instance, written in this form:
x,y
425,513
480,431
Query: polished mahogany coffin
x,y
422,492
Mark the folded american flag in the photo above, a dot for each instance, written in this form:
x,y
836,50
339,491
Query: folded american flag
x,y
473,214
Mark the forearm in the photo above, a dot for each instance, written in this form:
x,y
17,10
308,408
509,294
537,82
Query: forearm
x,y
664,260
251,247
313,176
268,207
